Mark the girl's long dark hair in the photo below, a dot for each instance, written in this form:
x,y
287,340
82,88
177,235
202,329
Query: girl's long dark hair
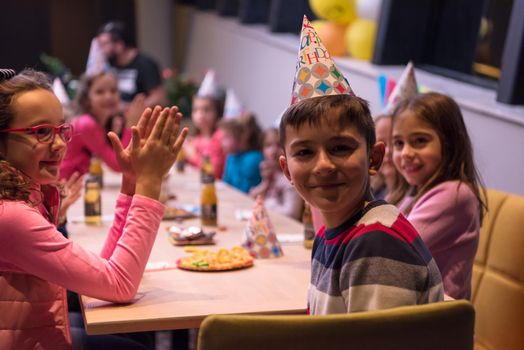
x,y
443,114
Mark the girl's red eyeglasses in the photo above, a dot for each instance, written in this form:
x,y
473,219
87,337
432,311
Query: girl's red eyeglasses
x,y
45,133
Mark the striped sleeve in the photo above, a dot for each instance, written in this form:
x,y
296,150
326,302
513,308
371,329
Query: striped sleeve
x,y
380,271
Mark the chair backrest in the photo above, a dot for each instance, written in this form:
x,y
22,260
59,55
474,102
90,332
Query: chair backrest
x,y
444,325
498,275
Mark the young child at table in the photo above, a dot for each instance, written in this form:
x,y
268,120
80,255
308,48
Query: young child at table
x,y
39,264
241,141
97,103
367,256
278,193
433,152
367,246
207,110
383,182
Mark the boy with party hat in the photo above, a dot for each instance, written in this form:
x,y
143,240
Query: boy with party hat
x,y
367,256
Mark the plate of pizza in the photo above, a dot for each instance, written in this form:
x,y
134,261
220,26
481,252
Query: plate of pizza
x,y
206,260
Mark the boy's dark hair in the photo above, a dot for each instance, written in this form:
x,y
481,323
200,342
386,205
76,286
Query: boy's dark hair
x,y
118,31
351,110
443,114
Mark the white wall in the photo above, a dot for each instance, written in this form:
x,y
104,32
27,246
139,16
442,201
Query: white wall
x,y
153,27
260,66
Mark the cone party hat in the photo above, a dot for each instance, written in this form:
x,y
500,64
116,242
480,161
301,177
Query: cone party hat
x,y
316,72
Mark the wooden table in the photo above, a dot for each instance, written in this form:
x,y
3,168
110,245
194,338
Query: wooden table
x,y
178,299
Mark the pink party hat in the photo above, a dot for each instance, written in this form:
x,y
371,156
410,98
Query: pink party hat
x,y
96,61
232,107
316,72
60,91
260,238
209,86
405,88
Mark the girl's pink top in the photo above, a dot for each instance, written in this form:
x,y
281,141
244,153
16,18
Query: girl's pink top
x,y
37,264
89,139
447,219
211,147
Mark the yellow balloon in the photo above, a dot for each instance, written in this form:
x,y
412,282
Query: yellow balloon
x,y
338,11
360,38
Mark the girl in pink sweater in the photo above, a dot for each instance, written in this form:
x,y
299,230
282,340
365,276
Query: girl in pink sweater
x,y
98,103
433,152
38,264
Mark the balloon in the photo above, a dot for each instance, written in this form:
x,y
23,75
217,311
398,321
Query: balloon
x,y
369,9
332,36
360,38
317,24
338,11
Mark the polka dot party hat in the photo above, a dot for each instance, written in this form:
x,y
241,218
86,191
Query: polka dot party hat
x,y
260,239
405,88
316,72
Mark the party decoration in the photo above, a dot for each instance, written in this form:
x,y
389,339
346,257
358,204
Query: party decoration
x,y
338,11
209,86
60,92
390,86
260,238
96,60
332,36
316,73
406,88
382,81
369,9
360,38
232,107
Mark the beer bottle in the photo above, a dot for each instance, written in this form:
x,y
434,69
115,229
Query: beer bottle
x,y
208,204
206,170
180,161
92,201
309,230
95,171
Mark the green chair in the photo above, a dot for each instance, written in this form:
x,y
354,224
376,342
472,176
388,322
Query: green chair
x,y
445,325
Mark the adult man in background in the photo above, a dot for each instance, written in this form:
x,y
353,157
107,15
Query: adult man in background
x,y
136,73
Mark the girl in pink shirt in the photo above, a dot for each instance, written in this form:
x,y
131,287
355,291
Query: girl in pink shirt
x,y
38,264
441,196
97,102
206,112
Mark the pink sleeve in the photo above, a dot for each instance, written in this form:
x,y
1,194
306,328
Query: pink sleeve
x,y
95,140
443,214
32,244
121,209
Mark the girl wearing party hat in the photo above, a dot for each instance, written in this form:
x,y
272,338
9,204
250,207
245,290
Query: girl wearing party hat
x,y
206,112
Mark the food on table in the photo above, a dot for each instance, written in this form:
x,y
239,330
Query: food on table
x,y
223,259
192,235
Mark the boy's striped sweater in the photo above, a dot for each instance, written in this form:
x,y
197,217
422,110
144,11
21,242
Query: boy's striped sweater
x,y
375,260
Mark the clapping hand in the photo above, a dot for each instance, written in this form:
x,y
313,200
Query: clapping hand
x,y
153,149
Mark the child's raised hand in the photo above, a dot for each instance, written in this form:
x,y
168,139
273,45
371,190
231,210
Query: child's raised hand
x,y
153,158
72,189
144,127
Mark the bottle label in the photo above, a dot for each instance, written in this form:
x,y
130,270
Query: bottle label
x,y
208,214
92,202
